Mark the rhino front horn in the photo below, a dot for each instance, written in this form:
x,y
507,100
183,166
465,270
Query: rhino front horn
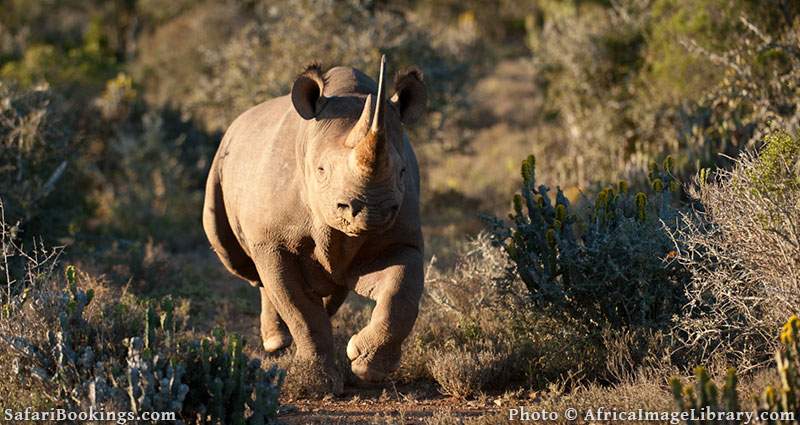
x,y
370,150
377,119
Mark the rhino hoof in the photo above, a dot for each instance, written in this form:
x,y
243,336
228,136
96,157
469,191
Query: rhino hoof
x,y
277,342
366,373
361,367
352,351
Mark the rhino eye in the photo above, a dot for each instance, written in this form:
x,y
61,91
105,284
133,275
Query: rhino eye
x,y
402,171
321,174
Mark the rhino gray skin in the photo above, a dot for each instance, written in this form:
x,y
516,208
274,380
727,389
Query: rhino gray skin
x,y
316,193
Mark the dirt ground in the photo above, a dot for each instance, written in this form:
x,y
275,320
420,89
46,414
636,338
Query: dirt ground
x,y
377,406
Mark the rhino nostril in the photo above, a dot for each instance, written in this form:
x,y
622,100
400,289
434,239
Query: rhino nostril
x,y
356,206
394,208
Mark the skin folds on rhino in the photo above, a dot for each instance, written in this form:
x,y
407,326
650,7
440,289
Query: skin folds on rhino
x,y
315,194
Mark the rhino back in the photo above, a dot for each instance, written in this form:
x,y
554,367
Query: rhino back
x,y
260,180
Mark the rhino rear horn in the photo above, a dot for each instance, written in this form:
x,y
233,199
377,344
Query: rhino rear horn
x,y
307,92
362,127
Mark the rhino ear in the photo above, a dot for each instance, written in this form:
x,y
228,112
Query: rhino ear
x,y
307,92
410,96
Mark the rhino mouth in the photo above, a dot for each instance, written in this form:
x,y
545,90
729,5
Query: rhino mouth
x,y
366,224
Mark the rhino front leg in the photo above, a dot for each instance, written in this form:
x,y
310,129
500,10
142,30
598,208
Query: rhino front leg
x,y
395,282
304,315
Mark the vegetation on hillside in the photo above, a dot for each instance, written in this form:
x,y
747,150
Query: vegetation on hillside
x,y
655,230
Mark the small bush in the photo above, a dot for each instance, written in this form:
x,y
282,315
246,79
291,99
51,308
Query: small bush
x,y
742,248
308,378
778,167
464,372
465,317
604,265
458,309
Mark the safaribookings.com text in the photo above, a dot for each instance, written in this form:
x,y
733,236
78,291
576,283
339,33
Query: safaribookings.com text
x,y
600,414
57,415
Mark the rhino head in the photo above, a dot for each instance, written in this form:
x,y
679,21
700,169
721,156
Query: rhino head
x,y
353,161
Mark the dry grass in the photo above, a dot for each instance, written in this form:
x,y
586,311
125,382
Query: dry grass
x,y
743,250
648,393
464,372
307,379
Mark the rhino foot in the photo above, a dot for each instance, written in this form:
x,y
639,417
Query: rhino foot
x,y
373,364
277,341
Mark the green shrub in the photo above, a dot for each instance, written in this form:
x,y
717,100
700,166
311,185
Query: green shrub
x,y
674,74
80,70
227,386
603,265
778,166
631,81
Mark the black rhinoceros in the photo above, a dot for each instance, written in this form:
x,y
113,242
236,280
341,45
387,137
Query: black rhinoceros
x,y
316,193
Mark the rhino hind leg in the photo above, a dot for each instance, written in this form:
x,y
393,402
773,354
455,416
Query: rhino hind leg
x,y
275,334
304,314
335,300
219,232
